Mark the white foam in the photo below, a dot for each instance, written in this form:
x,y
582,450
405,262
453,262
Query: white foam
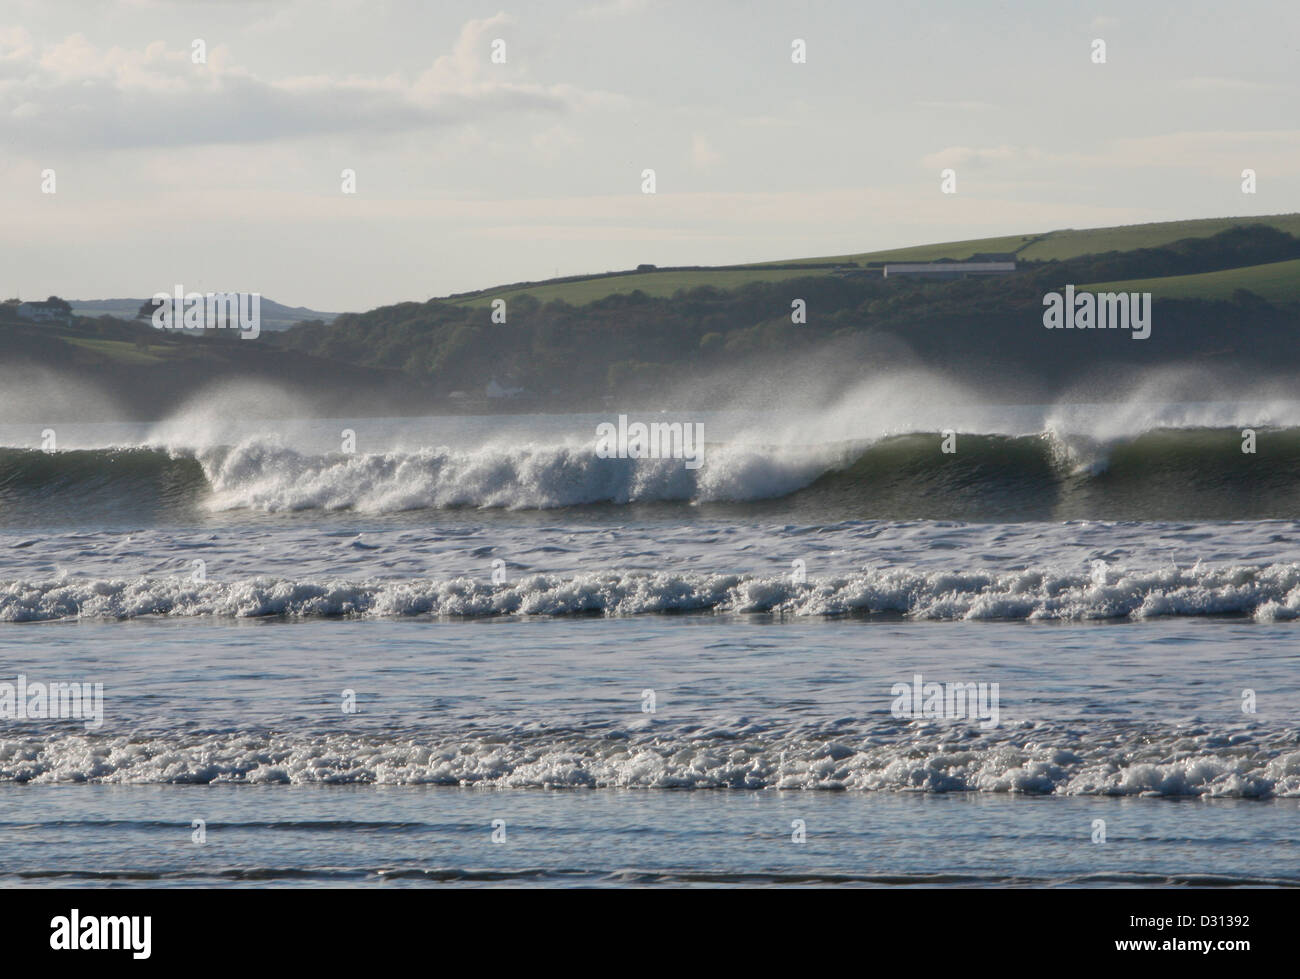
x,y
262,474
1031,759
1266,592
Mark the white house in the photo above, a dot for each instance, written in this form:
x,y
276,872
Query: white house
x,y
948,270
43,312
495,390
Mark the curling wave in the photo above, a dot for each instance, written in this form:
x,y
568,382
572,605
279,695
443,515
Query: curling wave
x,y
1169,474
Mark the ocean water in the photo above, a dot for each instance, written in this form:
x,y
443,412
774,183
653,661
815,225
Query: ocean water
x,y
470,650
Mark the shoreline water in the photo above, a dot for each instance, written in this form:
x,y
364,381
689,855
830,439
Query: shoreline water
x,y
431,836
347,686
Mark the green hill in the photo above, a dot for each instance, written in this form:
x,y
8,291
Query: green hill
x,y
660,285
1274,281
1097,241
924,253
275,316
1048,246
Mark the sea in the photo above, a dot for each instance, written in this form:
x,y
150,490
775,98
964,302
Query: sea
x,y
1033,645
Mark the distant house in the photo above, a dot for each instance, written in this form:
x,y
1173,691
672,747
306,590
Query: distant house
x,y
45,312
495,390
646,267
947,269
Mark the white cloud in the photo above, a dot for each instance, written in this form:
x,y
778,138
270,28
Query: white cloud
x,y
72,93
614,8
978,157
703,155
966,105
1205,152
1233,85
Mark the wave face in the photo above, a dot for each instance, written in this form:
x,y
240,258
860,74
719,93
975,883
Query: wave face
x,y
1267,593
106,482
1033,758
1169,474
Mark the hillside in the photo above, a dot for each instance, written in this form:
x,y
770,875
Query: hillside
x,y
708,337
128,369
1274,281
702,336
1040,247
275,316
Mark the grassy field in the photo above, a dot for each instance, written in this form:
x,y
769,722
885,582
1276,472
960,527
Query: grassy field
x,y
1045,246
1276,281
659,284
925,253
116,350
1071,244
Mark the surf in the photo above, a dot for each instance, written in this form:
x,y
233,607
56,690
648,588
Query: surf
x,y
1265,592
1199,473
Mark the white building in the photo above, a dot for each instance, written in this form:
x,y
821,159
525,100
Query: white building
x,y
495,390
42,312
948,270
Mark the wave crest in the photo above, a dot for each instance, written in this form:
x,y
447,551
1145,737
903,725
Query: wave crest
x,y
1191,474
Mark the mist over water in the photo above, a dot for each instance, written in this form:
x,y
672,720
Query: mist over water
x,y
705,476
1140,508
405,522
903,445
1104,558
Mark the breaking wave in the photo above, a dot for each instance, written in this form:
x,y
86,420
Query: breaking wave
x,y
1266,593
1158,474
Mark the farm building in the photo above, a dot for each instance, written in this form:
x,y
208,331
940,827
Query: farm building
x,y
947,270
44,312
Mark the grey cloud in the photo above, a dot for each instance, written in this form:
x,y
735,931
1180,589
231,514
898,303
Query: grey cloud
x,y
177,103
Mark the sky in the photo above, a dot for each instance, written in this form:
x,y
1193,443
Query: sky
x,y
226,174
